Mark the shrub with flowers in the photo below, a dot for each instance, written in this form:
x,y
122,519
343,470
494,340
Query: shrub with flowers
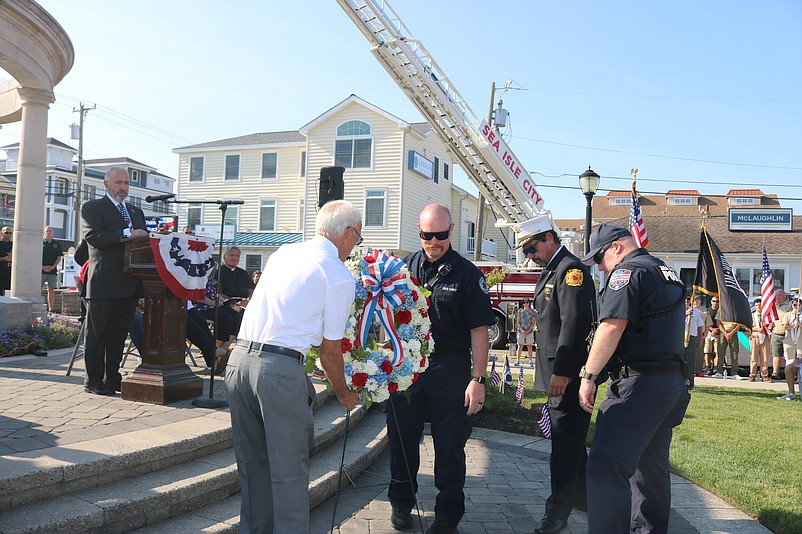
x,y
388,294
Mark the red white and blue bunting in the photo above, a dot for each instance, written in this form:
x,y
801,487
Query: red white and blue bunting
x,y
183,262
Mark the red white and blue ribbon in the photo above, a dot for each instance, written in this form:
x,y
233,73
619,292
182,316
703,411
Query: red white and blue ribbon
x,y
183,262
383,281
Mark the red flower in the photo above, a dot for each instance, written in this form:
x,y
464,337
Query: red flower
x,y
423,361
392,387
414,296
360,379
423,313
414,280
428,302
415,377
347,347
387,367
357,344
403,316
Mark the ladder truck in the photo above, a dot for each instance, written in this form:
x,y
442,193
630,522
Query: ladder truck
x,y
481,152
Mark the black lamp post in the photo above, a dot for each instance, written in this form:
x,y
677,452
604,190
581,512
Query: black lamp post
x,y
589,182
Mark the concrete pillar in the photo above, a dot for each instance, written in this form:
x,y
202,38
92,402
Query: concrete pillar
x,y
30,208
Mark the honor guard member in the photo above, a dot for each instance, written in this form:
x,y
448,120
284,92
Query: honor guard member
x,y
640,340
452,388
565,300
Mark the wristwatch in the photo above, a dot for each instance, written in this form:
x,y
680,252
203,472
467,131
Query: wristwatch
x,y
480,379
583,373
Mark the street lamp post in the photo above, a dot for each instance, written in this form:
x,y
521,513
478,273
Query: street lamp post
x,y
589,182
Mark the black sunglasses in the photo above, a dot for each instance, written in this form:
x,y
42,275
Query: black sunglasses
x,y
441,236
7,233
599,256
531,249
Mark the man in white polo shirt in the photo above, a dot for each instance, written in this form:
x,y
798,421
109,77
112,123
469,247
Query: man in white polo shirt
x,y
304,301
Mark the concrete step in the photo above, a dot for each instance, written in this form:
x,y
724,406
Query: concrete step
x,y
364,444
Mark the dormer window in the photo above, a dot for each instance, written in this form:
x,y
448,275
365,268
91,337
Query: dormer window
x,y
681,201
743,201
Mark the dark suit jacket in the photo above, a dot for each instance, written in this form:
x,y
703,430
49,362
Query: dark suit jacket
x,y
104,225
563,299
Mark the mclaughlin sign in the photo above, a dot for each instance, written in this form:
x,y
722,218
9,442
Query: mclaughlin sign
x,y
766,220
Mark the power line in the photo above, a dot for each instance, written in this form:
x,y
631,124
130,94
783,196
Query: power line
x,y
671,97
604,190
673,181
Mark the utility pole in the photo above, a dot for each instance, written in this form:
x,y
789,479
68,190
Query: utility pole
x,y
480,217
79,177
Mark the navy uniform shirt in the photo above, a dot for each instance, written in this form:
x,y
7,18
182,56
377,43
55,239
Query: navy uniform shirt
x,y
459,303
645,291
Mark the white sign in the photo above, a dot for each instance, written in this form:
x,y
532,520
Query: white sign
x,y
514,170
213,230
420,164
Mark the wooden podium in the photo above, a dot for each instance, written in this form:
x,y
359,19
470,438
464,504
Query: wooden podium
x,y
163,376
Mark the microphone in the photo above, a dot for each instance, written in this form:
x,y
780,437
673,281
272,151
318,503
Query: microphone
x,y
155,198
443,271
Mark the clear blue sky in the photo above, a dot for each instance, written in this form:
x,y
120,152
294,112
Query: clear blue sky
x,y
700,95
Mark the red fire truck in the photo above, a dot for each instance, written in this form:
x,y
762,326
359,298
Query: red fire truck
x,y
506,296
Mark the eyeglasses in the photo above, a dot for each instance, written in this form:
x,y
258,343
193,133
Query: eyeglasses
x,y
599,256
7,233
359,241
441,236
531,249
714,301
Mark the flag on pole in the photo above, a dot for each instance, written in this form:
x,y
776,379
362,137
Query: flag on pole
x,y
636,226
519,393
545,421
714,276
768,311
494,378
506,385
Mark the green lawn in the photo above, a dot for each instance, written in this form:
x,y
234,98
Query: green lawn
x,y
743,445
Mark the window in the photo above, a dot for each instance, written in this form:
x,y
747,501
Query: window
x,y
232,215
232,167
136,201
743,201
375,203
436,173
470,236
445,171
681,201
89,192
745,275
353,153
134,174
267,215
619,201
303,163
196,169
253,262
194,215
59,190
301,214
269,166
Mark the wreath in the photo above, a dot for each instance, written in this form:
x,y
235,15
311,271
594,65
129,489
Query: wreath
x,y
391,301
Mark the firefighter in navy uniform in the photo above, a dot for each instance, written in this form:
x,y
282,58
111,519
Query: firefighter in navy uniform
x,y
452,388
565,300
640,341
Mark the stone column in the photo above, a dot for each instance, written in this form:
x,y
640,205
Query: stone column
x,y
30,208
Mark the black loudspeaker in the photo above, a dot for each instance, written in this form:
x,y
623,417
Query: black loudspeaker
x,y
332,186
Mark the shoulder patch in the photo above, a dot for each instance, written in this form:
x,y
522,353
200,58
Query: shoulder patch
x,y
669,274
619,279
574,277
483,285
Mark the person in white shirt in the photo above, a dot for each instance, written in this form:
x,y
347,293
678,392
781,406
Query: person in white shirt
x,y
694,337
759,345
306,303
792,345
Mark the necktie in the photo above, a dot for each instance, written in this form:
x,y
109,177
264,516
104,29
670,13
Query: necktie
x,y
124,213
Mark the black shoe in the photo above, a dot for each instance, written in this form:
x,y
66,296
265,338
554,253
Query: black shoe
x,y
114,387
549,525
401,519
441,527
98,390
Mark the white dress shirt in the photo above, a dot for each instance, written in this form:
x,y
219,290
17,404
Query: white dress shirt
x,y
305,294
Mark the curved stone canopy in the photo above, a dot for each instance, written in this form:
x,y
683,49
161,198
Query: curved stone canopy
x,y
34,49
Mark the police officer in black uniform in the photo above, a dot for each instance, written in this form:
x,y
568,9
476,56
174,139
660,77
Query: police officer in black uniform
x,y
565,300
452,388
640,340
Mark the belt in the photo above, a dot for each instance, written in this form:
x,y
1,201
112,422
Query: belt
x,y
252,346
650,368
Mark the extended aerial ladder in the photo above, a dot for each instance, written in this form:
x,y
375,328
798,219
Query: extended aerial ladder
x,y
480,150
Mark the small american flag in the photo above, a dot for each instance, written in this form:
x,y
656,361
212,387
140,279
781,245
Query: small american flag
x,y
636,226
768,313
494,378
545,421
519,393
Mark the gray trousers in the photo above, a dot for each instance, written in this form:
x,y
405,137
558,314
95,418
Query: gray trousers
x,y
272,424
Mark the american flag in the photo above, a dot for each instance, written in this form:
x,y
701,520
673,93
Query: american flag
x,y
494,378
768,313
636,226
519,393
545,421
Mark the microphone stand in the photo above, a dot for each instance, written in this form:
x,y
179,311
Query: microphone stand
x,y
211,402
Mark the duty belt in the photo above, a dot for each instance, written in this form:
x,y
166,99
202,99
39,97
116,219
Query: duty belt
x,y
650,368
252,346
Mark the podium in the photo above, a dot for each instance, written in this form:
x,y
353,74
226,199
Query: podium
x,y
163,376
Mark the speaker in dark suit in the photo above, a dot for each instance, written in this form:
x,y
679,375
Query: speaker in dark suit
x,y
565,301
110,292
332,186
